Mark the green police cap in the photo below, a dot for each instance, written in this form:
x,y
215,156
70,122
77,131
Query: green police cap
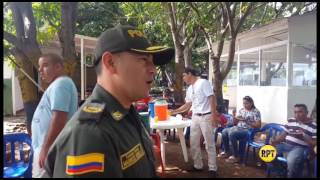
x,y
128,38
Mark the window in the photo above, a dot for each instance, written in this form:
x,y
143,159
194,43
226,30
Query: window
x,y
231,78
273,66
249,69
304,65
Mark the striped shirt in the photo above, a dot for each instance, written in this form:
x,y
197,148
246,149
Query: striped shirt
x,y
309,129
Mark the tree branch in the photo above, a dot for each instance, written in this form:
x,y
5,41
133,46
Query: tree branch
x,y
17,19
173,9
194,38
10,38
223,33
276,70
229,15
243,18
172,23
195,9
183,21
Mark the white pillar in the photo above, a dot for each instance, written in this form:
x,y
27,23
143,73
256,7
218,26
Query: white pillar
x,y
289,65
82,70
262,67
13,91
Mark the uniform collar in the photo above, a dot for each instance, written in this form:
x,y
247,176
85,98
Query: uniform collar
x,y
113,106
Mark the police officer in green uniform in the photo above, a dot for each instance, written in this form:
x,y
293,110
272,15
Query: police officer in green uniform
x,y
105,137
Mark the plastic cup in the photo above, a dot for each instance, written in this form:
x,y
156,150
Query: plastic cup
x,y
151,109
161,110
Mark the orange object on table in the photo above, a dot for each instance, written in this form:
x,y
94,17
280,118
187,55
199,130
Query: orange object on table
x,y
161,111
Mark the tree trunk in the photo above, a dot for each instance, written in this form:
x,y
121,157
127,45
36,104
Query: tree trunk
x,y
179,69
217,78
66,37
187,54
26,52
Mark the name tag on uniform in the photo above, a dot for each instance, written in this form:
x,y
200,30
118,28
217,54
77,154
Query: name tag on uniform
x,y
92,162
132,156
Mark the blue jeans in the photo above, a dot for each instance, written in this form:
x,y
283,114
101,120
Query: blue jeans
x,y
226,138
240,135
295,158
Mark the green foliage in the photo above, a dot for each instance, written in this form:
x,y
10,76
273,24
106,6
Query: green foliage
x,y
96,17
149,17
8,25
7,57
48,20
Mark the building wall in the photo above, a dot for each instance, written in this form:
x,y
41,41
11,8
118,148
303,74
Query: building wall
x,y
270,100
231,95
301,95
8,86
18,96
7,94
303,29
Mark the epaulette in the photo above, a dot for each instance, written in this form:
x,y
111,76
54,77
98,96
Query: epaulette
x,y
92,111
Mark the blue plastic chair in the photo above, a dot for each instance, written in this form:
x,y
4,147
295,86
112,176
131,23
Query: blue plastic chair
x,y
271,129
17,167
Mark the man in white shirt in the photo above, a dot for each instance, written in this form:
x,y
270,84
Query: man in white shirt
x,y
203,101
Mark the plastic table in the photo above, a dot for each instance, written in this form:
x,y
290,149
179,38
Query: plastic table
x,y
171,123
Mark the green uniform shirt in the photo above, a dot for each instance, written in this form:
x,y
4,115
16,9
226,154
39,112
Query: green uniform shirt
x,y
102,139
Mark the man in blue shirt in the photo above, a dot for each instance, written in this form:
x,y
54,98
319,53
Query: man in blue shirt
x,y
58,103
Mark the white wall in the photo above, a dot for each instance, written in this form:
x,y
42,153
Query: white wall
x,y
301,95
231,95
18,96
271,101
17,101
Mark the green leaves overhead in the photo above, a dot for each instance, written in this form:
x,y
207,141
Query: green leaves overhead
x,y
48,20
149,17
96,17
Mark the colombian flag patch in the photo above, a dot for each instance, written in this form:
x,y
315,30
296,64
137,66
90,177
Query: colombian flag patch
x,y
92,162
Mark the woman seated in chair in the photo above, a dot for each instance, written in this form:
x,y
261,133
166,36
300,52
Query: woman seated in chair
x,y
248,117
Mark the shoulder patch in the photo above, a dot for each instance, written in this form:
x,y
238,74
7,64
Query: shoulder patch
x,y
92,110
91,162
117,115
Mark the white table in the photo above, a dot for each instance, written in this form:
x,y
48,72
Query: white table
x,y
171,123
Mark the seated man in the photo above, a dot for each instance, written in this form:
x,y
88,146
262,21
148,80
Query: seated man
x,y
300,134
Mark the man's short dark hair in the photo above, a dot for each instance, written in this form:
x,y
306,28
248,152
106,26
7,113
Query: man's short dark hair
x,y
98,67
191,70
54,58
301,105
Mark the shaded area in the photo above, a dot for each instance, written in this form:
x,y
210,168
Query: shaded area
x,y
176,167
